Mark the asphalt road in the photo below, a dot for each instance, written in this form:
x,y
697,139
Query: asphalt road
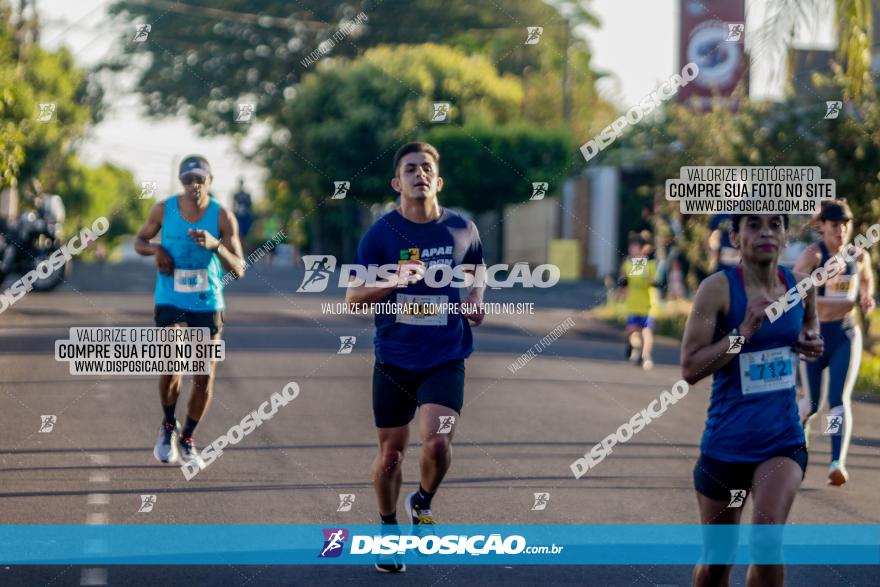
x,y
517,435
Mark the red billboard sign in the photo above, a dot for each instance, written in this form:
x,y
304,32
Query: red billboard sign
x,y
712,35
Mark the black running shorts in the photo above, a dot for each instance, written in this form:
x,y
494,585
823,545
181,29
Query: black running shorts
x,y
715,479
397,392
170,315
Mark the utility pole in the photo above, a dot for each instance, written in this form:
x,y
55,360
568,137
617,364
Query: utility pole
x,y
566,86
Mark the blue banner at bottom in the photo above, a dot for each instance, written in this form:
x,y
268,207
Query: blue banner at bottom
x,y
458,544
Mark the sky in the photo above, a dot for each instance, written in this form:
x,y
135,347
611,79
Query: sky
x,y
636,53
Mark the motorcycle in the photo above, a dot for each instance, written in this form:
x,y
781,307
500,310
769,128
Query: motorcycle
x,y
32,239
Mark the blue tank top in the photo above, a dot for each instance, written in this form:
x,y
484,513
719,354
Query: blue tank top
x,y
753,409
196,283
844,285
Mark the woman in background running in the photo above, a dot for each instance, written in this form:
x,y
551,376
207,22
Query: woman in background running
x,y
836,301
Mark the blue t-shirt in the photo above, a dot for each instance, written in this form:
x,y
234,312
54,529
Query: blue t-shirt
x,y
750,425
421,342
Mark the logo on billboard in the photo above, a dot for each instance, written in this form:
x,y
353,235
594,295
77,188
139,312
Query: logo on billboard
x,y
719,61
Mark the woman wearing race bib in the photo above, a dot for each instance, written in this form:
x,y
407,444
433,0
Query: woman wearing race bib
x,y
753,443
836,301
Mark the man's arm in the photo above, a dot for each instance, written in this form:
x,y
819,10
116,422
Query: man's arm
x,y
229,249
143,246
359,292
866,283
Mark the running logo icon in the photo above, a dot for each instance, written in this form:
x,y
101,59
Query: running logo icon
x,y
533,35
539,190
736,344
441,112
541,501
737,498
734,32
346,500
832,109
638,265
346,345
245,112
148,189
47,423
446,423
334,540
147,503
141,32
47,112
318,271
833,424
340,189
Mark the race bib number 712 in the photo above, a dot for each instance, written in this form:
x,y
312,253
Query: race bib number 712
x,y
768,370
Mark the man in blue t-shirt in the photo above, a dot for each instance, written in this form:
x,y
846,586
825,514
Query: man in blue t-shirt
x,y
423,334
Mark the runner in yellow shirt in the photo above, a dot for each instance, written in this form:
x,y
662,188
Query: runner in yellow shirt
x,y
637,277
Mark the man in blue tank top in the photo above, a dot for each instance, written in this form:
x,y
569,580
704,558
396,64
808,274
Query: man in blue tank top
x,y
419,354
199,244
753,444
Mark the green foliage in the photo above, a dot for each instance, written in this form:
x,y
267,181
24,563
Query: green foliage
x,y
108,191
793,132
201,58
485,168
349,113
30,76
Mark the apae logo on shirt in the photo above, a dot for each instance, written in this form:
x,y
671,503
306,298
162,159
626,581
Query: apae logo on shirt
x,y
427,255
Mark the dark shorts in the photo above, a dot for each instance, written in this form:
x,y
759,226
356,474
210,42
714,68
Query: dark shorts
x,y
397,392
715,479
170,315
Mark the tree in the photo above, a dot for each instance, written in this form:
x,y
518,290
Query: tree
x,y
46,106
107,190
200,60
349,117
855,31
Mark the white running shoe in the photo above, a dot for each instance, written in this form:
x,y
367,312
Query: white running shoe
x,y
189,454
166,450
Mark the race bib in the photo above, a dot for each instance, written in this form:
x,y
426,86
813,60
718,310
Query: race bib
x,y
729,256
422,310
841,287
769,370
190,280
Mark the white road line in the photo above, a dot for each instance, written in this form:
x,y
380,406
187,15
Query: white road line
x,y
96,547
99,459
99,499
99,477
97,518
93,577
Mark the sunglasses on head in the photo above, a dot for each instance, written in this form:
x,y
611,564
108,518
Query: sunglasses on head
x,y
192,178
